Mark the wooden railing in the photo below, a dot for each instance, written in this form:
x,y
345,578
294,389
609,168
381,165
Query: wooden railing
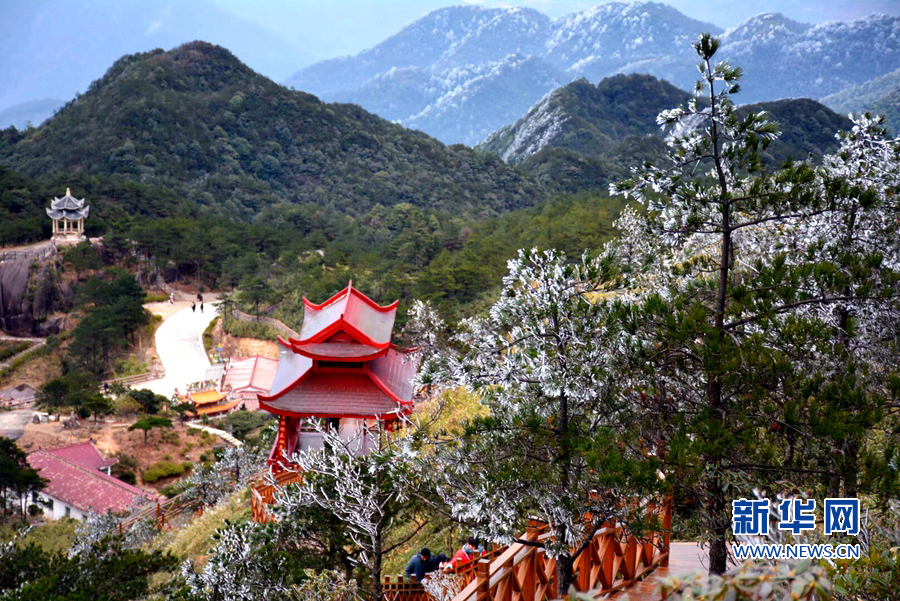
x,y
614,560
263,493
162,513
400,589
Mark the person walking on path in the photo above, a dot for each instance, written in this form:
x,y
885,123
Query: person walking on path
x,y
193,307
201,306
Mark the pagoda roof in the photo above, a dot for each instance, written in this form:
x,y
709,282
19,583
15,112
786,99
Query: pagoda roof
x,y
68,207
335,351
349,311
207,397
329,394
382,386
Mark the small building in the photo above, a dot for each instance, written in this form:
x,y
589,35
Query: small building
x,y
79,481
247,378
211,402
18,397
68,214
343,368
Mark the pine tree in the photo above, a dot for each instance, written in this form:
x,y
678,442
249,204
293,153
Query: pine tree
x,y
557,444
734,295
354,479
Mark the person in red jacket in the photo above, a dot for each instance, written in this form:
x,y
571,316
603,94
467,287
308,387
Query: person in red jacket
x,y
469,551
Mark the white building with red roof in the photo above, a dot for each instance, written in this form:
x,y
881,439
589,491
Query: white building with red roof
x,y
78,481
343,367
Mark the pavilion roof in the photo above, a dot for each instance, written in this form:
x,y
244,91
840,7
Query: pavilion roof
x,y
351,312
383,386
208,397
68,206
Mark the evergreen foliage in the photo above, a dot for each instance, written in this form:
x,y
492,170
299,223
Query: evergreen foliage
x,y
752,298
200,124
17,478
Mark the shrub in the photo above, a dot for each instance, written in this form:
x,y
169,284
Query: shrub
x,y
174,489
126,407
250,329
164,469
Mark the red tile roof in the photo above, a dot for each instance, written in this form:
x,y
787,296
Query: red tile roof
x,y
84,454
395,372
85,488
341,394
257,373
352,312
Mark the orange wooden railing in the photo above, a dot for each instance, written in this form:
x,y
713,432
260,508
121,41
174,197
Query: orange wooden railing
x,y
399,589
614,560
162,513
262,493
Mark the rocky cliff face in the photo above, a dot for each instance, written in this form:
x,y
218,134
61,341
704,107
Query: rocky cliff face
x,y
31,291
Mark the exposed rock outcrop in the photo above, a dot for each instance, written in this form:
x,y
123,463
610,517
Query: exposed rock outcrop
x,y
31,291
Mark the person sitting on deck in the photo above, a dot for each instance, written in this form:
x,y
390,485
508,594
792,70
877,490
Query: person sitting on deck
x,y
423,563
467,552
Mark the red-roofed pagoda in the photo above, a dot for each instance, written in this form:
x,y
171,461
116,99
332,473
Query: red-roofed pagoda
x,y
343,368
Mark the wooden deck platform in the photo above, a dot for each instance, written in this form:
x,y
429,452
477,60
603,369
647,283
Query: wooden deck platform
x,y
683,558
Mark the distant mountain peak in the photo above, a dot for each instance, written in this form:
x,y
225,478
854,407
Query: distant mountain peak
x,y
766,24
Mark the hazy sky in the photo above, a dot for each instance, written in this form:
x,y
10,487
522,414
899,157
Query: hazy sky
x,y
336,27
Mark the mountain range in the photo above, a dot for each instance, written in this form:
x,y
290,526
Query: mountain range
x,y
200,124
582,136
56,48
465,70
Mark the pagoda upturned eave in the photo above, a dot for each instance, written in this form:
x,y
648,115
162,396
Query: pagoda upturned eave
x,y
351,312
335,351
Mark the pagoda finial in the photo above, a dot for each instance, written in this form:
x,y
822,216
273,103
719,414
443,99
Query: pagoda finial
x,y
68,192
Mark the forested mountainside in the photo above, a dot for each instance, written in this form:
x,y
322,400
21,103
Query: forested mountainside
x,y
582,136
880,95
197,122
430,75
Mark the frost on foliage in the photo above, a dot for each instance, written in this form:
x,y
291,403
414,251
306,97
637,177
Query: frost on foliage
x,y
546,352
234,470
325,585
353,479
97,526
234,570
442,586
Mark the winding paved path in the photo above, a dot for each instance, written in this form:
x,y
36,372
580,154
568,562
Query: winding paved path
x,y
179,344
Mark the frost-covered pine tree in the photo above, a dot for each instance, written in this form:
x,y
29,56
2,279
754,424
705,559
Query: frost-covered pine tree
x,y
558,444
355,478
235,570
732,297
852,377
